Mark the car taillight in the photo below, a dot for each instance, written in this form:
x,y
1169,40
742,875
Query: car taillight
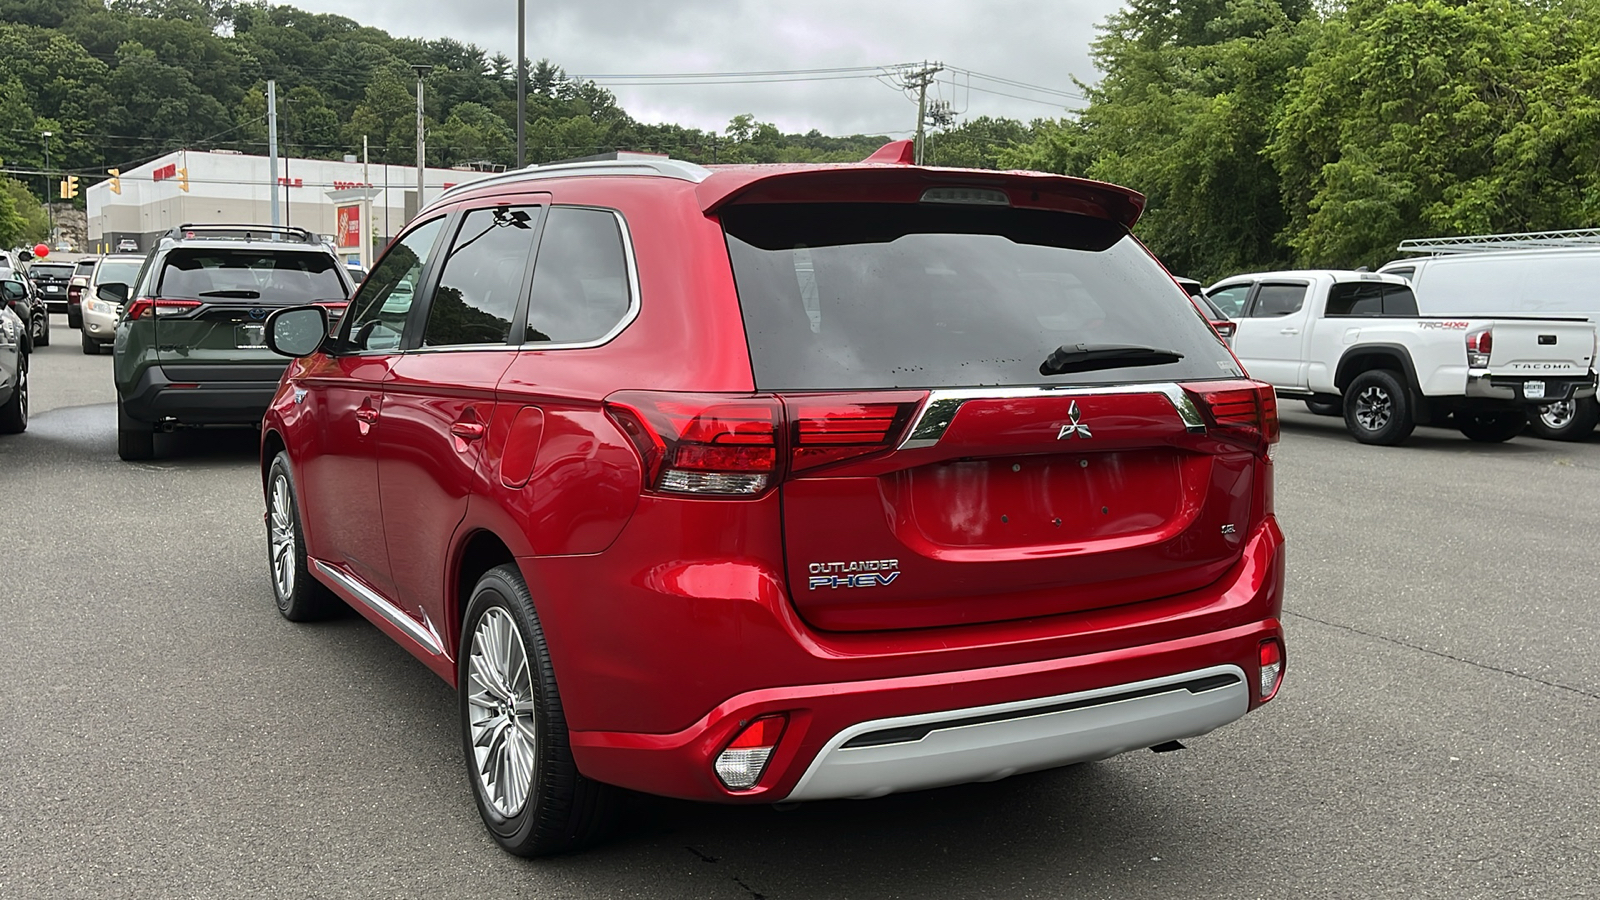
x,y
1247,409
74,291
740,764
1226,329
1480,344
701,444
711,444
829,429
144,307
1271,669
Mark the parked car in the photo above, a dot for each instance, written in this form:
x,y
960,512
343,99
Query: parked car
x,y
1354,341
189,347
127,245
801,482
1214,315
81,273
32,309
50,279
1495,276
15,346
99,326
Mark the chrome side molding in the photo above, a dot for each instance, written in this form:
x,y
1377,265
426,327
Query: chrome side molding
x,y
422,634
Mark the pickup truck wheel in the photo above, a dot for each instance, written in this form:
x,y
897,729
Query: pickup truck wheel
x,y
1569,420
135,440
1491,427
530,794
1377,409
1323,407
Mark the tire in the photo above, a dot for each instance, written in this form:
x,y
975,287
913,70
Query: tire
x,y
1377,408
135,440
557,809
41,331
14,413
1324,407
1570,420
74,317
300,597
1492,427
91,347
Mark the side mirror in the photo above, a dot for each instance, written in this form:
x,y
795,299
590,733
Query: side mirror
x,y
297,331
12,291
112,292
25,255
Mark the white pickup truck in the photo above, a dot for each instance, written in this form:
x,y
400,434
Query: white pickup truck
x,y
1352,342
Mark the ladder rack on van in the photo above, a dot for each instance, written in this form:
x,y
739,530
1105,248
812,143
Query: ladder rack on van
x,y
1479,243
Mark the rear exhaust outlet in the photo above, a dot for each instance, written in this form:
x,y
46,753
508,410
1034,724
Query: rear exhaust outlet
x,y
1168,747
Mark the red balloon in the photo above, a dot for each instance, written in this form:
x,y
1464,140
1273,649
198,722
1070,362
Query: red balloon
x,y
41,250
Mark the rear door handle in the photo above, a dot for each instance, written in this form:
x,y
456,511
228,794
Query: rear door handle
x,y
367,414
467,431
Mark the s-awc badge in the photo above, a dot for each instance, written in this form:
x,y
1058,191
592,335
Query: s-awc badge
x,y
863,573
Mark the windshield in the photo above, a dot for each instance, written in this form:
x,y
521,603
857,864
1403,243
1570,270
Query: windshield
x,y
266,276
878,295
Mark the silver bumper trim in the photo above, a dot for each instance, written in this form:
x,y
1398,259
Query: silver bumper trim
x,y
988,743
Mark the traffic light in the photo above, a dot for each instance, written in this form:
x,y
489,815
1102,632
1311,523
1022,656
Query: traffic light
x,y
69,187
116,180
183,179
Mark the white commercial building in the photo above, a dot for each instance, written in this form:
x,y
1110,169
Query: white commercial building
x,y
325,197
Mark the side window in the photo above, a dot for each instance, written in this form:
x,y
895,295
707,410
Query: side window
x,y
580,279
1398,300
1278,300
1230,299
1359,298
1405,273
482,279
377,317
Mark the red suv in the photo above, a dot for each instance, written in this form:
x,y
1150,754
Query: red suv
x,y
760,484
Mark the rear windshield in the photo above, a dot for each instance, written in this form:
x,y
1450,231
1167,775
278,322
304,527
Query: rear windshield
x,y
266,276
117,272
53,271
1370,298
85,266
877,295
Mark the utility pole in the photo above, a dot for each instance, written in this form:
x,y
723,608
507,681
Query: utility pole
x,y
522,83
918,80
422,146
50,211
272,147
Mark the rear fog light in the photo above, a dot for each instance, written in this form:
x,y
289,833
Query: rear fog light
x,y
1271,669
739,766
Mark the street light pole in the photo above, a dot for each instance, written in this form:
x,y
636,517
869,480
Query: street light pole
x,y
522,83
422,151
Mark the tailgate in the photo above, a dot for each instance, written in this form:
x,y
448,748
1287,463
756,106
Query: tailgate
x,y
1555,347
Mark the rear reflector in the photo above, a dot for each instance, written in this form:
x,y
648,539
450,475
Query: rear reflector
x,y
741,764
1246,410
1271,669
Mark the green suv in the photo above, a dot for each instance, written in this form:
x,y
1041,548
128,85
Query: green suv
x,y
190,348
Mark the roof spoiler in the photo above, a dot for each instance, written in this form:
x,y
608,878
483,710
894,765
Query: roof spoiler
x,y
899,153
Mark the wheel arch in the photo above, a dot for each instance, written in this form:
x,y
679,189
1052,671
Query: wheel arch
x,y
478,552
272,444
1367,357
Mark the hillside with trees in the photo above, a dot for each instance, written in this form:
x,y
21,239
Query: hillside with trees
x,y
1265,133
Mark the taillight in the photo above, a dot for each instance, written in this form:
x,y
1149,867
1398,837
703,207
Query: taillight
x,y
144,307
829,429
1271,675
740,764
1480,344
701,444
1244,409
718,445
74,291
1225,329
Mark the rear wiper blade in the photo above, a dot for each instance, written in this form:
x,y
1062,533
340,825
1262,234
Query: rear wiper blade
x,y
233,294
1087,357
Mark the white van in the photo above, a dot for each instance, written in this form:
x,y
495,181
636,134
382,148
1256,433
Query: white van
x,y
1506,282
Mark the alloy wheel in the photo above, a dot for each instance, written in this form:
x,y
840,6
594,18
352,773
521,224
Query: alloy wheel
x,y
1559,414
500,697
1374,408
282,537
22,390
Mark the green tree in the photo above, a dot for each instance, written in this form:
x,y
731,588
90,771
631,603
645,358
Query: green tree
x,y
23,219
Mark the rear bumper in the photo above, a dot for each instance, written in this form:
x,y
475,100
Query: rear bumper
x,y
156,398
1481,385
1041,668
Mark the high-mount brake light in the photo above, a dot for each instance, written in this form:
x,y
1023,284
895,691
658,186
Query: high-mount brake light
x,y
1271,669
144,307
1245,409
1480,344
966,196
701,443
740,764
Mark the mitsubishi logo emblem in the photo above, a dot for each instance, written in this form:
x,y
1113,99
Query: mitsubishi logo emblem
x,y
1073,426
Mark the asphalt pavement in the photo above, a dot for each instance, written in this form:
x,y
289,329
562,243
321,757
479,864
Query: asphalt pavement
x,y
164,733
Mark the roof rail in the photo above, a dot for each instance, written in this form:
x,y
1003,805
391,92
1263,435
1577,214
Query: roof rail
x,y
622,163
225,231
1480,243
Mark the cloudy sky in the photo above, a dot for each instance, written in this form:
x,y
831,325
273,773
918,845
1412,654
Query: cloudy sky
x,y
993,48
